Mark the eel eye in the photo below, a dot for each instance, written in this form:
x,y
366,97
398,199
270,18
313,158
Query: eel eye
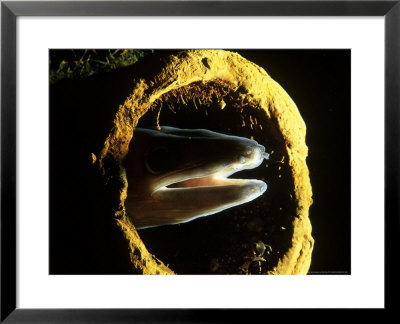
x,y
160,160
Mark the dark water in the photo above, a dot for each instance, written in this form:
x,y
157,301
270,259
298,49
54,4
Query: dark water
x,y
83,238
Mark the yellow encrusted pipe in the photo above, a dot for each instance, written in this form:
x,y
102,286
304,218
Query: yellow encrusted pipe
x,y
202,76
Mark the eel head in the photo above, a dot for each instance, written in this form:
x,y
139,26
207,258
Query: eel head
x,y
177,175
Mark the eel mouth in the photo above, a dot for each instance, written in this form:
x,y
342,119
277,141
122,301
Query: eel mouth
x,y
221,177
214,186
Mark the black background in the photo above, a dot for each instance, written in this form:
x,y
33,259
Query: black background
x,y
84,238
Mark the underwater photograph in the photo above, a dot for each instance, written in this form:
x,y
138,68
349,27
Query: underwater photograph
x,y
200,161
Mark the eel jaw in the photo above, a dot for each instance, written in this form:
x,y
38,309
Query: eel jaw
x,y
195,202
211,193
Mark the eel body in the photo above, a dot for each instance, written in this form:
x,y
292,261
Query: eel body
x,y
177,175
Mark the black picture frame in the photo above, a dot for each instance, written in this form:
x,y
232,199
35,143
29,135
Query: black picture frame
x,y
10,10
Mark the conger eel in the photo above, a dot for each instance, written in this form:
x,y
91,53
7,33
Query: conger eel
x,y
177,175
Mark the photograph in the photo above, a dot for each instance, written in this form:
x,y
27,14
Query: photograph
x,y
199,161
195,161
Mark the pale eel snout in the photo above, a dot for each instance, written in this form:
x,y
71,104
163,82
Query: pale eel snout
x,y
177,175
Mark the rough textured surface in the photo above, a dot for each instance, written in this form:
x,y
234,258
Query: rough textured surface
x,y
206,77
